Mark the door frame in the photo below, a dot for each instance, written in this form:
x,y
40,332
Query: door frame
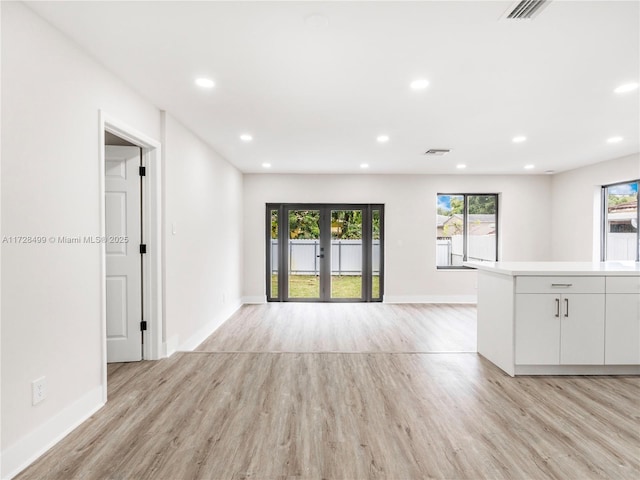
x,y
325,241
151,223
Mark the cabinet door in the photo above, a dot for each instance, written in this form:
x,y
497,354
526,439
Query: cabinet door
x,y
582,329
622,329
537,329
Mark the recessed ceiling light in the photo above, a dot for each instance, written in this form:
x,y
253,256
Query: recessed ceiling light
x,y
462,166
382,138
529,167
205,82
614,139
245,137
627,87
266,165
364,165
519,139
419,84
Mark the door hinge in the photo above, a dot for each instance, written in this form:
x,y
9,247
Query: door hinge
x,y
143,326
143,249
142,171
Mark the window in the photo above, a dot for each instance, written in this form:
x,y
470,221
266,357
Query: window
x,y
620,220
467,229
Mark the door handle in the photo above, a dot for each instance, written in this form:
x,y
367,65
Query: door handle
x,y
320,256
566,307
557,307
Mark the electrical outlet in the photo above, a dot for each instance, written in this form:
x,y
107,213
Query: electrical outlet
x,y
39,390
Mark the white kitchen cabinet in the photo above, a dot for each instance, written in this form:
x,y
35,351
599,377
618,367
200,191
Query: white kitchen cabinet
x,y
582,329
559,318
622,330
537,329
559,329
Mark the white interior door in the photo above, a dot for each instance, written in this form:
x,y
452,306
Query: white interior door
x,y
124,270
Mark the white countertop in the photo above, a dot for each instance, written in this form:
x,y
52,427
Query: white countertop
x,y
558,268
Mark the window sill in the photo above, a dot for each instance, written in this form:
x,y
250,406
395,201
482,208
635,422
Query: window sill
x,y
461,268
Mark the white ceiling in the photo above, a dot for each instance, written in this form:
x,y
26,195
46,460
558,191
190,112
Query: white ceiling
x,y
315,98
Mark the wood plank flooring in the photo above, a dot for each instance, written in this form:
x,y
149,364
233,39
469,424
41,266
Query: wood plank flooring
x,y
347,327
375,415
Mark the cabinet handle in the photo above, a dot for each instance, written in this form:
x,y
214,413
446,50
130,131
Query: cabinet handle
x,y
561,285
566,307
557,307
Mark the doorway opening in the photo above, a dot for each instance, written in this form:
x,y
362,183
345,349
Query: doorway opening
x,y
325,252
129,237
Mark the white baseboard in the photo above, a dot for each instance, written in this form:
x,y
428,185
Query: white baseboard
x,y
430,299
254,299
395,299
577,369
25,451
203,332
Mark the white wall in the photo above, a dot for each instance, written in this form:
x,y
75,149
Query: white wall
x,y
51,318
575,226
204,208
0,249
410,230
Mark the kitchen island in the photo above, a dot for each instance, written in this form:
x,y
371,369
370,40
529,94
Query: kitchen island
x,y
559,318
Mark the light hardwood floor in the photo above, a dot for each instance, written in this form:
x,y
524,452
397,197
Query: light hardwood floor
x,y
378,415
347,327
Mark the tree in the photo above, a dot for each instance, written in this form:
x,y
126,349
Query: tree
x,y
454,227
375,224
618,199
274,224
346,224
457,205
304,224
481,204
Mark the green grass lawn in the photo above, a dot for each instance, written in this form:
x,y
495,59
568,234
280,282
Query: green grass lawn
x,y
375,286
348,286
304,286
308,286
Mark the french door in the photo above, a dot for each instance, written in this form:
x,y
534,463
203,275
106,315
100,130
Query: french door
x,y
325,252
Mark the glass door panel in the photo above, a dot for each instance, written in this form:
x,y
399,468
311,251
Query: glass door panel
x,y
273,254
346,254
304,254
376,254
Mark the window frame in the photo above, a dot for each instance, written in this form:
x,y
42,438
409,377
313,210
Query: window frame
x,y
604,217
465,223
367,217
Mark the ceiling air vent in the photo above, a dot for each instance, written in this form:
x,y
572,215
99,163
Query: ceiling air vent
x,y
437,151
526,9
